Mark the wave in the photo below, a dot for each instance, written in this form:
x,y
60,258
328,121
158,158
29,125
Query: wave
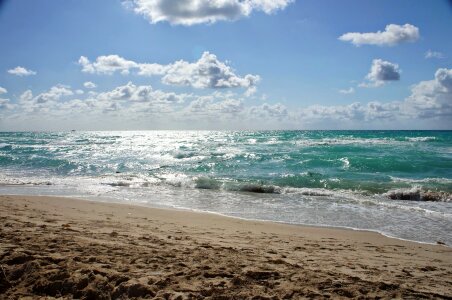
x,y
346,162
416,209
440,180
421,139
417,194
210,183
4,146
25,181
319,187
347,141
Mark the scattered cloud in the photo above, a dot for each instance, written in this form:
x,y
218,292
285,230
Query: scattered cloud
x,y
350,90
207,72
191,12
268,111
107,65
142,93
429,100
432,98
5,104
89,85
21,71
209,106
54,94
45,100
391,36
434,54
3,90
354,111
381,72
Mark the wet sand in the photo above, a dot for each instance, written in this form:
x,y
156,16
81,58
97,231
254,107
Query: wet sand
x,y
68,248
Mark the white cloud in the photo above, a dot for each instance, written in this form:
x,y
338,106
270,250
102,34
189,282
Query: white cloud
x,y
21,71
128,100
207,72
432,98
26,96
3,90
434,54
208,105
5,104
191,12
107,65
430,102
354,111
54,94
265,111
142,93
350,90
89,85
381,72
45,100
378,111
392,35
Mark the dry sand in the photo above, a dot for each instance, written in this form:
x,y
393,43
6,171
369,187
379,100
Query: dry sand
x,y
58,247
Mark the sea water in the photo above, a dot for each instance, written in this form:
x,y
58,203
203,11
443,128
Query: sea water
x,y
398,183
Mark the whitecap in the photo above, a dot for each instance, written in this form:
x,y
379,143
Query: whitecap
x,y
421,139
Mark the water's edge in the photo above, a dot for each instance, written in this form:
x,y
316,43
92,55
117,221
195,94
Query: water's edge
x,y
111,200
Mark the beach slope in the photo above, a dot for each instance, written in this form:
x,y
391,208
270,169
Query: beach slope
x,y
60,247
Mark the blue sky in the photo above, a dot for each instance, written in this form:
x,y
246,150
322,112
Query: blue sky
x,y
270,64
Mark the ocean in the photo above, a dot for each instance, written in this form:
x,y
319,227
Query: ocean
x,y
398,183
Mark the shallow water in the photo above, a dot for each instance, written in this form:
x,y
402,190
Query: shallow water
x,y
332,178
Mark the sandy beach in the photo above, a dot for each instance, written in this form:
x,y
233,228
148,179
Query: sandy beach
x,y
68,248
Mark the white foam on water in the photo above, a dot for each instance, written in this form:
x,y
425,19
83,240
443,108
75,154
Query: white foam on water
x,y
346,162
423,180
421,139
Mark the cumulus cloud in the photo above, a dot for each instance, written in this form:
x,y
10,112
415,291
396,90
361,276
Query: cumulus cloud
x,y
45,100
128,99
191,12
265,111
350,90
207,72
354,111
392,35
3,90
107,65
434,54
5,104
89,85
54,94
208,105
432,98
26,96
142,93
429,101
381,72
21,71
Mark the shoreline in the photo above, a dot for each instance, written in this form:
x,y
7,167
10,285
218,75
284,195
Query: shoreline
x,y
59,246
114,200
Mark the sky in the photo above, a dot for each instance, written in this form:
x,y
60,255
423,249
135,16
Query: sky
x,y
225,64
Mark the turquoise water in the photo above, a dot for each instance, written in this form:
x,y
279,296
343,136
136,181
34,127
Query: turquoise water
x,y
377,180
